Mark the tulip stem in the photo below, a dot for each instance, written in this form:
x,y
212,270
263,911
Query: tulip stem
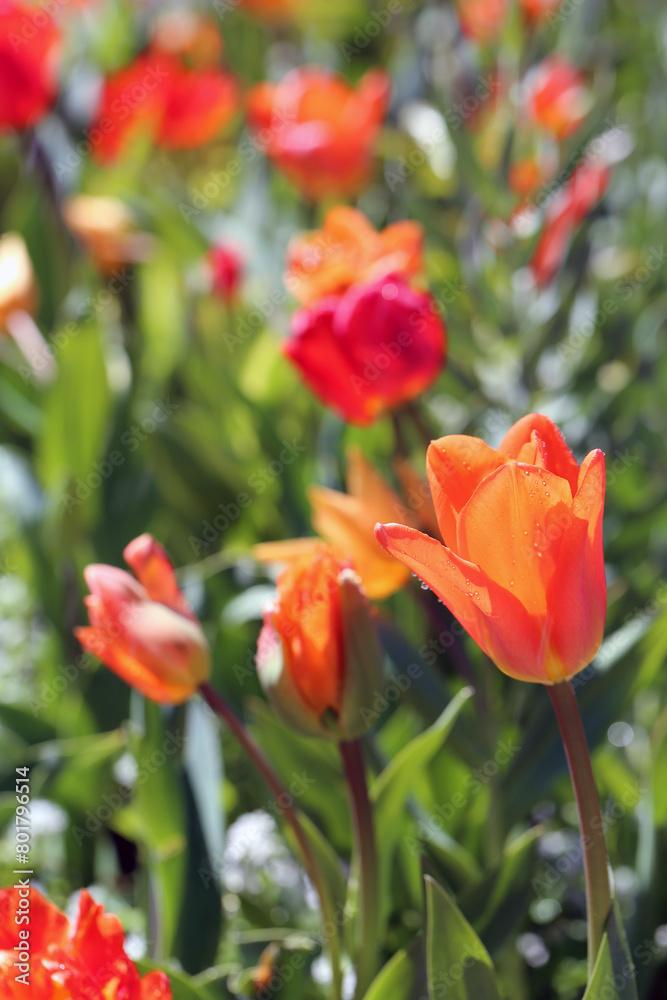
x,y
280,793
596,868
369,909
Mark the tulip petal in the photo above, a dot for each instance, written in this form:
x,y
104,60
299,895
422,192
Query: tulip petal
x,y
509,527
494,618
155,571
537,441
131,670
347,523
577,594
113,585
284,552
323,364
455,466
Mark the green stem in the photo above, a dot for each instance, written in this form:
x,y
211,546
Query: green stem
x,y
369,903
596,868
280,793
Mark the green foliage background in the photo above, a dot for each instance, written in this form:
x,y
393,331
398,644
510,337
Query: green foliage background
x,y
199,403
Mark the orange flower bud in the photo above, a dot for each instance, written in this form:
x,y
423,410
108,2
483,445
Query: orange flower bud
x,y
318,656
522,566
348,249
143,628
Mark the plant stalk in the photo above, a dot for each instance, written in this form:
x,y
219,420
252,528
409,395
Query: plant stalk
x,y
280,793
369,903
596,868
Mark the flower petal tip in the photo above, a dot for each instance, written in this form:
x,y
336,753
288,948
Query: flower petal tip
x,y
381,535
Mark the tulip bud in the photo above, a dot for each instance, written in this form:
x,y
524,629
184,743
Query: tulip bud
x,y
319,658
143,629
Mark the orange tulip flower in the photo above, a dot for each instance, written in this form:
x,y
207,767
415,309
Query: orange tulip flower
x,y
318,656
318,129
522,566
346,522
555,96
348,249
87,959
143,628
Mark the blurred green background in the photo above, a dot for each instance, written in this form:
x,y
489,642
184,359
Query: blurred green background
x,y
198,401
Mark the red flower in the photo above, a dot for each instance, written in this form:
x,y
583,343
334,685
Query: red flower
x,y
83,962
556,97
29,55
536,10
181,108
318,129
564,214
379,344
226,267
522,566
143,628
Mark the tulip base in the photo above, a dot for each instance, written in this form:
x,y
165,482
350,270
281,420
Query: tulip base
x,y
596,866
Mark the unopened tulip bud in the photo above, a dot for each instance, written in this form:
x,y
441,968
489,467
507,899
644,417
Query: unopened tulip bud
x,y
143,629
319,658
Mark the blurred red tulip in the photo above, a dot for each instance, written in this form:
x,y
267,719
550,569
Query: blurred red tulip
x,y
535,10
522,566
226,268
29,57
348,249
378,345
482,20
555,97
318,129
564,214
143,628
179,107
86,960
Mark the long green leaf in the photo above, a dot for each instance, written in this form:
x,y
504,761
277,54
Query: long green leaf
x,y
458,965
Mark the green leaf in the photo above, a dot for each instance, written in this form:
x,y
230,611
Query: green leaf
x,y
159,810
457,962
76,412
614,975
393,786
182,986
332,888
496,904
401,978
